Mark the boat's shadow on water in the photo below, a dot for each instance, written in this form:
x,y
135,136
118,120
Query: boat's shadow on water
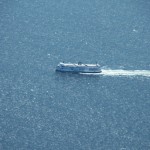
x,y
77,75
107,73
75,79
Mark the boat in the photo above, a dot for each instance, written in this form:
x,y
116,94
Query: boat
x,y
78,68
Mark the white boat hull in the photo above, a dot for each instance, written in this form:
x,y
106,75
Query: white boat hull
x,y
78,68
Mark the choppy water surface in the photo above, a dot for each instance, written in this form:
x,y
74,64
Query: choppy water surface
x,y
42,109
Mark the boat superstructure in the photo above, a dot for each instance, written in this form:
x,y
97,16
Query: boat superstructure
x,y
78,67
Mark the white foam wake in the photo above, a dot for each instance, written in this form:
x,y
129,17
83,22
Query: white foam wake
x,y
120,72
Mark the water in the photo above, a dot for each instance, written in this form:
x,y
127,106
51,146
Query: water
x,y
41,109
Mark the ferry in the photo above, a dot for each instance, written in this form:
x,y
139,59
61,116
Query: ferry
x,y
78,68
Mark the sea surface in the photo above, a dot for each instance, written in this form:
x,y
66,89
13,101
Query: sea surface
x,y
44,110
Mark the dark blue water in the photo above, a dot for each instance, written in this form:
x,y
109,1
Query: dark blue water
x,y
41,109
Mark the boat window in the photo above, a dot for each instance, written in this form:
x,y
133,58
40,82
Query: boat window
x,y
72,68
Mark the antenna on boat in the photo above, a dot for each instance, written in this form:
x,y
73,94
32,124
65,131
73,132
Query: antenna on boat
x,y
79,63
97,64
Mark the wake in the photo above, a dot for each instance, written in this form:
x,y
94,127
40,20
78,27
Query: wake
x,y
120,72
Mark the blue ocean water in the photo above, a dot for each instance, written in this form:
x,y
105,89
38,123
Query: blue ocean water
x,y
41,109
